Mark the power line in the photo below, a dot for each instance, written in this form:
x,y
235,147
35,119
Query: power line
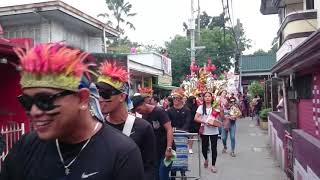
x,y
232,26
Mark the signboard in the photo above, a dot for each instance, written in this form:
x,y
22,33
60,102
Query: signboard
x,y
165,80
166,65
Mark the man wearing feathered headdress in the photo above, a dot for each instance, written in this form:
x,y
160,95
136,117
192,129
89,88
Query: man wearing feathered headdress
x,y
114,101
68,142
179,115
147,93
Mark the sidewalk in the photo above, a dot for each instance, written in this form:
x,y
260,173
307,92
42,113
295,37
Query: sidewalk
x,y
252,162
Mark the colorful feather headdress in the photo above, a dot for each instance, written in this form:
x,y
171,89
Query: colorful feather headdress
x,y
178,92
146,91
114,75
52,65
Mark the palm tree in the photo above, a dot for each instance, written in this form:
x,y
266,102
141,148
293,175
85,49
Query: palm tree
x,y
120,10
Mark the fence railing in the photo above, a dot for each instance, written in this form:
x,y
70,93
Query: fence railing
x,y
11,133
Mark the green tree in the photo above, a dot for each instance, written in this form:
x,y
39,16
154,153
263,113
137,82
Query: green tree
x,y
177,50
256,89
120,12
220,47
260,52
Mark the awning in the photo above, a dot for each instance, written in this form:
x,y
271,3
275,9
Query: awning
x,y
165,87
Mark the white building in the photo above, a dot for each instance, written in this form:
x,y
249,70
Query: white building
x,y
55,21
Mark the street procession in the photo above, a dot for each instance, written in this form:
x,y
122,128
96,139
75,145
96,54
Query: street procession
x,y
92,91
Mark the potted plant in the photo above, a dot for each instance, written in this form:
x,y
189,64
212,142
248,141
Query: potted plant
x,y
264,118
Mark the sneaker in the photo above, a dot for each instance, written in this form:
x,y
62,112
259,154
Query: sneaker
x,y
213,169
190,151
224,150
233,154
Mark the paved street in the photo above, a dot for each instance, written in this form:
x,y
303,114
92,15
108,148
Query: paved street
x,y
253,160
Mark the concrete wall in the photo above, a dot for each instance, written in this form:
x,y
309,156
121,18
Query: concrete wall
x,y
291,8
306,154
276,131
299,26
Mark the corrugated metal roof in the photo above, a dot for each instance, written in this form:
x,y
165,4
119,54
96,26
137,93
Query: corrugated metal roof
x,y
257,63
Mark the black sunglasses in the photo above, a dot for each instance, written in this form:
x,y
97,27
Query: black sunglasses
x,y
177,98
107,94
43,101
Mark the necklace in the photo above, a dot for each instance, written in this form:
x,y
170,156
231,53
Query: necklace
x,y
66,167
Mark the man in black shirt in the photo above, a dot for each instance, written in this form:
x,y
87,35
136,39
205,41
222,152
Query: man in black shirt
x,y
67,142
161,124
179,115
114,101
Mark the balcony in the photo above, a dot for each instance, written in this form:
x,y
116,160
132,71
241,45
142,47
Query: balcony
x,y
295,28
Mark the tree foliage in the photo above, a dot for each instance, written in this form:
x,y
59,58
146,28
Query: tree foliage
x,y
121,11
218,40
256,89
260,52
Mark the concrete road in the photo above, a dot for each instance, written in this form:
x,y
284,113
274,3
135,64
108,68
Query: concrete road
x,y
252,162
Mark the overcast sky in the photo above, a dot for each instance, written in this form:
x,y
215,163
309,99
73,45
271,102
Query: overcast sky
x,y
159,20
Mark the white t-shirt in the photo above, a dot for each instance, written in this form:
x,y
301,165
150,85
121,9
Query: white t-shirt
x,y
208,130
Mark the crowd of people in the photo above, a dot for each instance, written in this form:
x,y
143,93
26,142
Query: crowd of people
x,y
83,128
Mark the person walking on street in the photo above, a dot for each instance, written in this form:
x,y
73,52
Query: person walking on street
x,y
67,141
114,102
179,115
208,116
194,126
229,126
163,130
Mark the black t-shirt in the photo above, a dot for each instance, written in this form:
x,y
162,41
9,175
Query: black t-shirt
x,y
180,118
110,155
158,117
142,134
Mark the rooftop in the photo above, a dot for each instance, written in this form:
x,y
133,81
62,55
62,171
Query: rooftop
x,y
257,63
57,10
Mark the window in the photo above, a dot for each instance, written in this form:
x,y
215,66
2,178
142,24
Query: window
x,y
303,85
24,32
309,4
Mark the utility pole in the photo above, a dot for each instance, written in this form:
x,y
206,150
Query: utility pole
x,y
198,22
192,27
238,51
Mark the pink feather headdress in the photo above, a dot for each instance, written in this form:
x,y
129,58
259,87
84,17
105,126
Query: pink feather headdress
x,y
52,65
113,74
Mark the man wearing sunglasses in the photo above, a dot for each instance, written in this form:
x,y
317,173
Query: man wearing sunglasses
x,y
180,116
114,101
67,142
162,128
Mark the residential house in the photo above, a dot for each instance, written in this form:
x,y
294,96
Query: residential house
x,y
55,21
146,70
295,133
255,68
